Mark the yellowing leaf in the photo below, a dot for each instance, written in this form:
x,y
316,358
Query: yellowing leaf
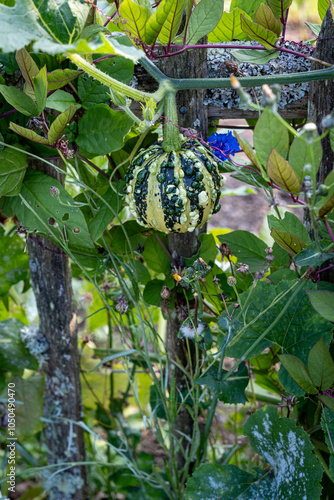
x,y
258,33
265,16
327,208
288,241
282,174
136,18
229,27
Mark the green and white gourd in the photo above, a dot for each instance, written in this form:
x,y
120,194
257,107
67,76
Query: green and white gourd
x,y
174,186
174,192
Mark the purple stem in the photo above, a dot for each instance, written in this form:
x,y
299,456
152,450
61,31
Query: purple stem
x,y
284,26
329,434
248,47
10,112
94,166
329,229
326,269
103,58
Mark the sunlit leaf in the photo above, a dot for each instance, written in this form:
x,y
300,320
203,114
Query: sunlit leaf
x,y
259,34
171,25
301,154
157,20
270,133
323,8
264,16
204,19
229,27
60,77
291,224
282,174
60,101
279,7
249,6
135,17
40,84
327,208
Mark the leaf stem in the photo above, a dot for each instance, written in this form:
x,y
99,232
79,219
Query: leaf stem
x,y
124,89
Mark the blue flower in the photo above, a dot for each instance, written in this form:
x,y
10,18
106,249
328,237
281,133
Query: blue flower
x,y
224,145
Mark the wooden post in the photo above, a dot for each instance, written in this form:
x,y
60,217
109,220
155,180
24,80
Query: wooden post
x,y
321,103
51,282
191,114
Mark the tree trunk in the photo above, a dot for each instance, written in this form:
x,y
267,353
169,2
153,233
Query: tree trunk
x,y
51,283
321,103
191,114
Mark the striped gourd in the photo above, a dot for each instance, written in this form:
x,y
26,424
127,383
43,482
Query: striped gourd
x,y
175,191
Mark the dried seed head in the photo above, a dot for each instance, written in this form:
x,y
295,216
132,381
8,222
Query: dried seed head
x,y
243,268
231,281
259,275
121,304
231,66
165,293
225,250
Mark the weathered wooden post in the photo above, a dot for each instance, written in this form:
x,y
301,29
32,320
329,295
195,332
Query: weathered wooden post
x,y
51,282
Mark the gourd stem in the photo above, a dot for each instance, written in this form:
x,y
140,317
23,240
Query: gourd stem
x,y
172,140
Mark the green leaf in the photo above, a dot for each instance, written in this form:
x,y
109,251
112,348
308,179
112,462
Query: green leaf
x,y
157,20
13,165
300,155
247,247
102,45
40,84
152,292
323,303
60,77
171,25
102,130
28,21
323,8
284,447
154,255
204,19
291,224
328,401
282,174
296,332
299,373
315,28
29,70
28,134
231,390
19,100
289,242
249,6
13,269
142,273
320,365
30,392
270,134
59,124
229,28
264,16
207,251
258,33
102,219
254,56
135,17
60,101
54,215
310,257
327,424
14,356
279,7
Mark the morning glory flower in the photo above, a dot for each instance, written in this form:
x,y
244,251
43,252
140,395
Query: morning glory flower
x,y
224,145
